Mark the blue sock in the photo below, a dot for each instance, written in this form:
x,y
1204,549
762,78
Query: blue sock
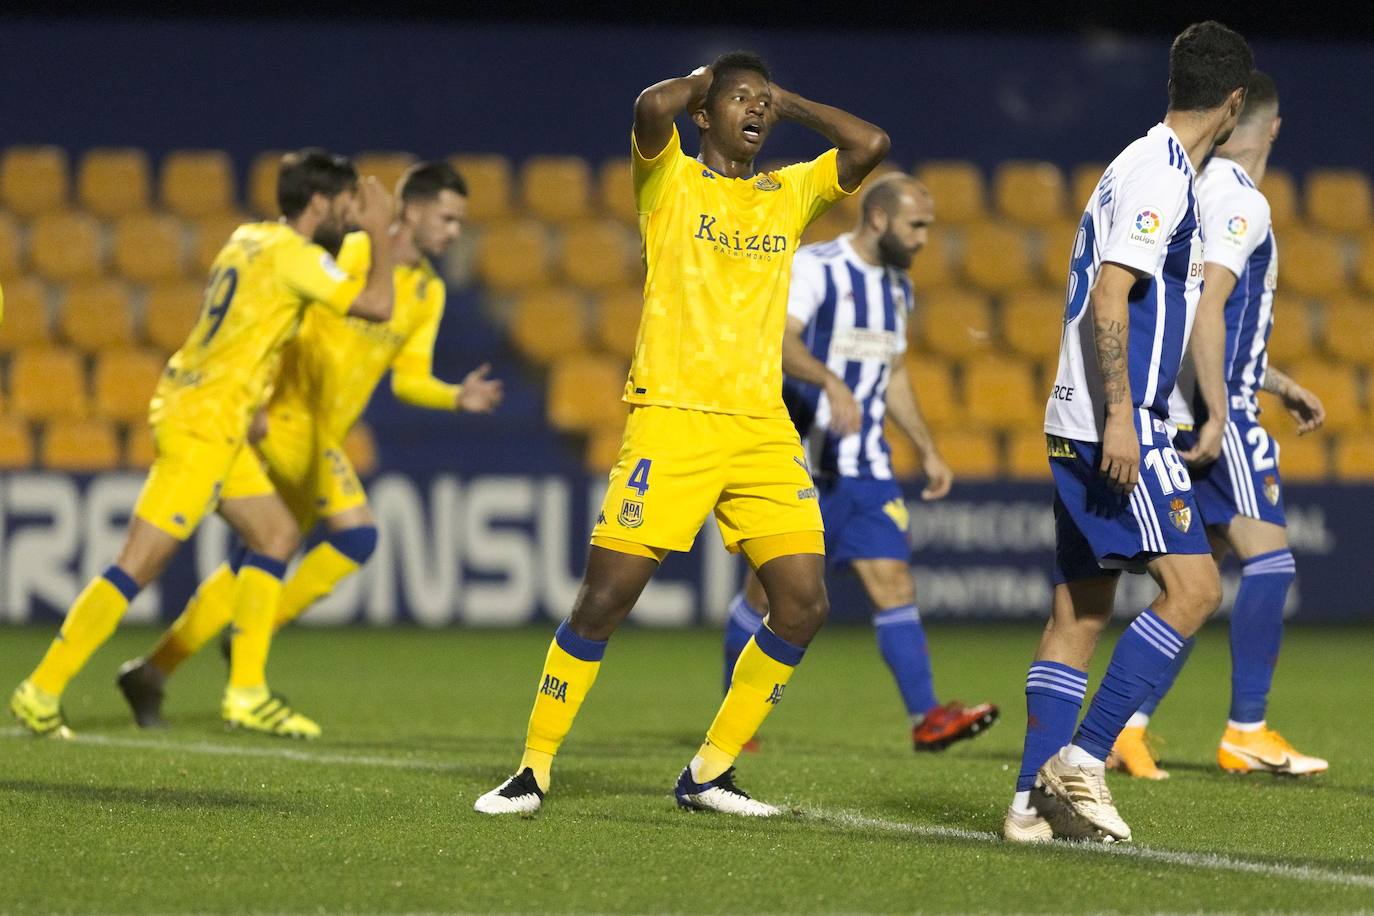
x,y
742,622
1167,682
1054,695
1142,655
902,642
1257,631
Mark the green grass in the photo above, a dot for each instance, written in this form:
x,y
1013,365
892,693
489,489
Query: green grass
x,y
377,816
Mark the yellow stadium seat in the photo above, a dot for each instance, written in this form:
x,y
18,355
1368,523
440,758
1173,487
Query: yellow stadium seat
x,y
1355,457
1338,387
1304,458
360,445
1313,264
139,447
1082,185
1364,262
262,184
210,234
16,445
66,246
387,167
957,189
197,182
970,454
1030,192
33,180
933,383
1056,244
169,312
617,321
997,257
598,254
603,447
1339,200
1350,330
932,266
111,182
1032,321
556,188
584,392
1027,455
124,380
514,255
847,207
955,322
616,192
1001,393
1282,193
26,315
80,445
1292,338
11,249
548,324
148,248
488,177
96,314
46,383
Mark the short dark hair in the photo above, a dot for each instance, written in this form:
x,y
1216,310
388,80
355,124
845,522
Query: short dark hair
x,y
885,190
308,172
1207,62
424,181
731,63
1261,97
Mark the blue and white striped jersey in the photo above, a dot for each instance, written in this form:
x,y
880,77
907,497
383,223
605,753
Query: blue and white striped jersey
x,y
855,316
1142,215
1237,234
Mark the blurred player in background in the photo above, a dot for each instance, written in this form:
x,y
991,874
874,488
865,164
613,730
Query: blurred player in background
x,y
708,430
1123,497
1233,460
328,374
261,285
842,353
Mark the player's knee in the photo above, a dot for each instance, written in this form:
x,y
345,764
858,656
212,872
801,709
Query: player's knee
x,y
358,543
1196,596
278,542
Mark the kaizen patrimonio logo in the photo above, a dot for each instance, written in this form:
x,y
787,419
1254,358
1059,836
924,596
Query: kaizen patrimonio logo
x,y
740,243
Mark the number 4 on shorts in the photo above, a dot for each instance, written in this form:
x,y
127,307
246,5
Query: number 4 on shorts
x,y
639,477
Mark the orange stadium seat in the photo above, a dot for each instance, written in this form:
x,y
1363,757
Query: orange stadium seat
x,y
617,321
262,184
1312,263
603,447
1339,200
169,313
1292,338
1339,389
584,392
1001,393
1350,330
1282,193
139,447
1355,457
80,445
16,445
970,454
96,314
827,226
11,248
124,381
1305,458
33,180
47,383
514,255
1082,185
1364,262
210,234
1032,321
997,256
549,323
932,266
197,182
488,177
388,167
955,322
1027,455
616,192
957,189
148,248
556,188
933,382
598,254
1030,192
26,315
1055,243
360,445
66,246
111,182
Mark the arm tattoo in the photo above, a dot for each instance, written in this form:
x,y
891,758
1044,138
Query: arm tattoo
x,y
1275,382
1110,337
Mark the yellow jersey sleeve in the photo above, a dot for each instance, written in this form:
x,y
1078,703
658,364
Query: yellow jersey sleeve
x,y
308,270
813,186
652,176
355,255
412,371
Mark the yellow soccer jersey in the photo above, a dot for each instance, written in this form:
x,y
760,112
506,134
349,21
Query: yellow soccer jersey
x,y
260,284
332,367
719,257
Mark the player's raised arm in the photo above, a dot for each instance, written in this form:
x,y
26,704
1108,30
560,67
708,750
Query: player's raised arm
x,y
658,105
1208,351
374,215
861,145
1111,333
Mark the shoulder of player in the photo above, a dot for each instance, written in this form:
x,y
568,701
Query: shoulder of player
x,y
819,252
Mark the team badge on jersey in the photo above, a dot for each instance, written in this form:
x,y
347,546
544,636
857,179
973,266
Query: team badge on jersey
x,y
1181,514
1271,489
767,183
631,513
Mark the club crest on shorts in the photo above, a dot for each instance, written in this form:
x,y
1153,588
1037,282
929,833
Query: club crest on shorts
x,y
631,513
1181,514
1271,489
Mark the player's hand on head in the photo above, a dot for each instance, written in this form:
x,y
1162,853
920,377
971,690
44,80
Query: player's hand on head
x,y
374,206
481,394
1208,446
939,477
1307,409
845,416
1121,454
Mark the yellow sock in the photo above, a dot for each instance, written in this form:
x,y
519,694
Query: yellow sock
x,y
569,671
90,621
321,569
761,673
209,611
256,593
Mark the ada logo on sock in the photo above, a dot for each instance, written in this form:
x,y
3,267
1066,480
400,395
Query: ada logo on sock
x,y
776,696
1271,489
553,687
1181,514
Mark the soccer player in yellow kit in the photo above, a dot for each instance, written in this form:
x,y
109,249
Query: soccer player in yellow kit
x,y
707,428
328,374
260,286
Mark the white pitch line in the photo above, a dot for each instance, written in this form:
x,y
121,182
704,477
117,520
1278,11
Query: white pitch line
x,y
850,819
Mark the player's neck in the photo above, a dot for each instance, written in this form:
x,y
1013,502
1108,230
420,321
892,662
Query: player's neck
x,y
866,247
403,247
1253,159
722,164
1196,131
302,225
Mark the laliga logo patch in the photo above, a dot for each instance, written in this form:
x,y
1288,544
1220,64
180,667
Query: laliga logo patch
x,y
766,183
1271,489
1181,515
631,513
1145,231
1237,225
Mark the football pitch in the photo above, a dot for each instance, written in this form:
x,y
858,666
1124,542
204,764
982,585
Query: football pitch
x,y
377,815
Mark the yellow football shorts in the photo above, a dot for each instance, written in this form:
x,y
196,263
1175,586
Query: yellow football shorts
x,y
308,468
189,477
676,466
